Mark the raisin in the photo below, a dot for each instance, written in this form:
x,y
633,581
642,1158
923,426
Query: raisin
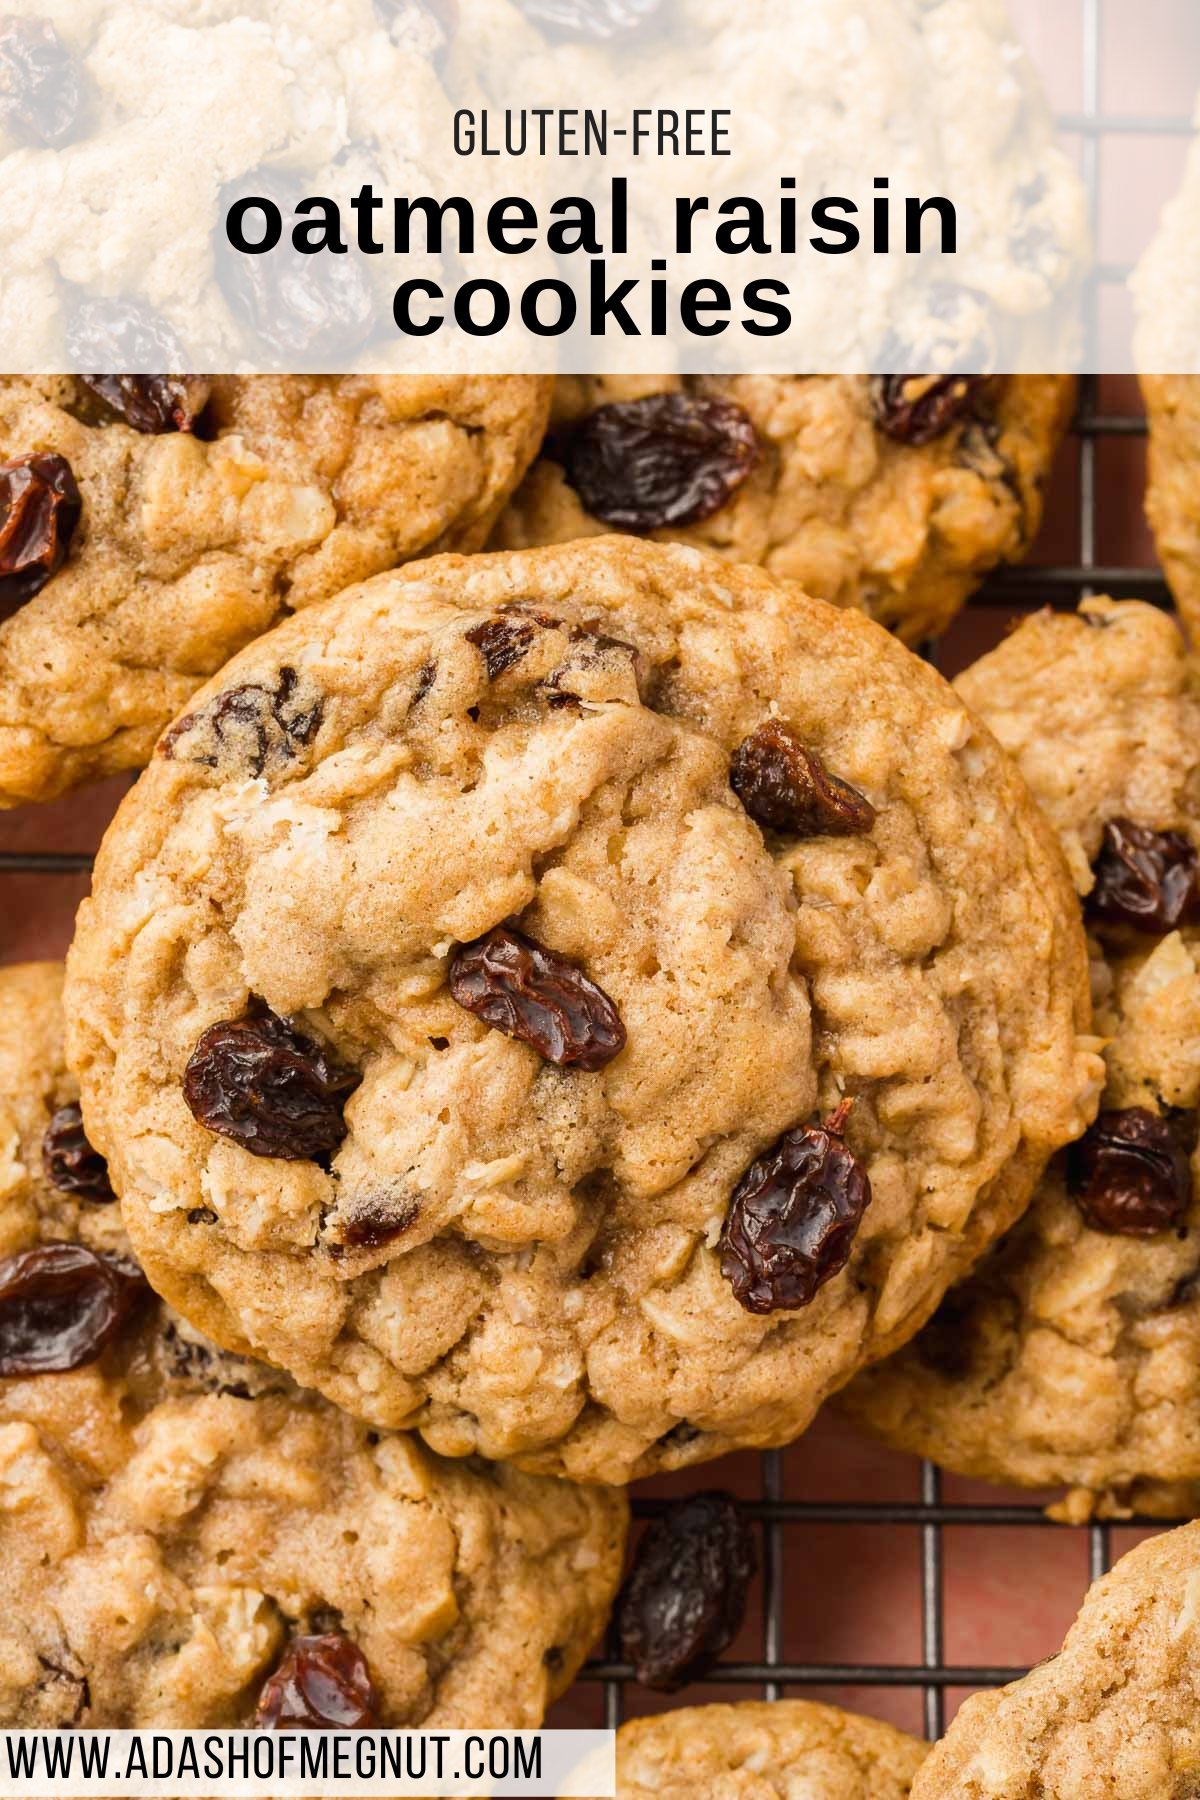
x,y
1129,1173
595,19
503,641
785,785
528,992
666,459
120,331
593,651
41,84
309,310
152,403
70,1163
686,1594
263,1084
61,1304
322,1683
134,336
39,510
251,725
792,1218
1146,879
374,1222
916,409
426,676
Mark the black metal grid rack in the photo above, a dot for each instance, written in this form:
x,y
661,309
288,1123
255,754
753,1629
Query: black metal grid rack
x,y
1012,591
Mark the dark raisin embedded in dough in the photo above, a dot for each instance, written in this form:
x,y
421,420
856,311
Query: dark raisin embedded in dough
x,y
503,641
685,1597
41,83
39,510
101,330
528,992
916,409
70,1163
322,1684
376,1221
596,19
251,726
792,1218
268,1087
666,459
152,404
786,786
306,310
1146,879
426,676
597,663
1130,1175
61,1304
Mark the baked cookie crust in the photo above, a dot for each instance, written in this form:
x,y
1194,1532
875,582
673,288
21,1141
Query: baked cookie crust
x,y
902,530
192,542
171,1517
1073,1353
1114,1716
765,1750
1172,491
525,1258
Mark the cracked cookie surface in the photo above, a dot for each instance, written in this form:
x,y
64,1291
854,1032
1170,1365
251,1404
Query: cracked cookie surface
x,y
172,1517
1114,1716
761,1750
903,530
518,1244
1073,1354
191,543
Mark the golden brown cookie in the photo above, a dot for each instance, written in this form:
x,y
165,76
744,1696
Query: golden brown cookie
x,y
1114,1716
761,1750
892,494
185,1537
583,1003
137,555
1172,493
1073,1354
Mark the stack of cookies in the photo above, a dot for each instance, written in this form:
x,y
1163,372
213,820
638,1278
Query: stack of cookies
x,y
552,1014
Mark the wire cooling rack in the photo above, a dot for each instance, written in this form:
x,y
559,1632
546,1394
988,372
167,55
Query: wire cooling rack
x,y
782,1520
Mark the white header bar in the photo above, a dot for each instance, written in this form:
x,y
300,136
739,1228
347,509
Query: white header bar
x,y
604,186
